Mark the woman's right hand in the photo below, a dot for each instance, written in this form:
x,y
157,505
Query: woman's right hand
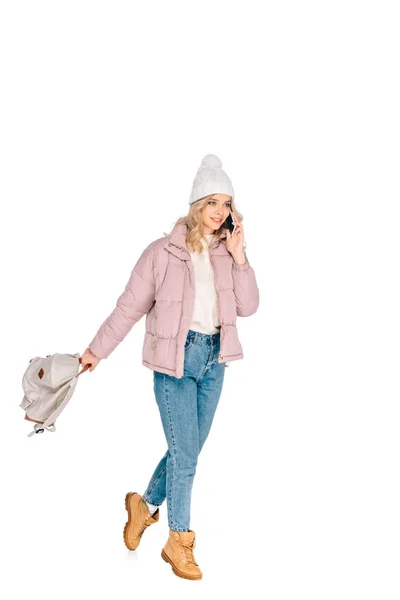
x,y
89,357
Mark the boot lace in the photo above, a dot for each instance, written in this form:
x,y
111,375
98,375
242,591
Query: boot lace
x,y
142,526
188,550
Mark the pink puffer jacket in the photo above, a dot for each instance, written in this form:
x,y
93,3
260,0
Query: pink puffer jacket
x,y
161,286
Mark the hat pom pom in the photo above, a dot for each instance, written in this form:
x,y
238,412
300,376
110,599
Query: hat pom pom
x,y
211,161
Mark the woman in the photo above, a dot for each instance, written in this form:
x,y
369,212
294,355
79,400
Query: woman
x,y
191,284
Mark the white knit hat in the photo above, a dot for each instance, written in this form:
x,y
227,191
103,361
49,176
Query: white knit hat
x,y
210,179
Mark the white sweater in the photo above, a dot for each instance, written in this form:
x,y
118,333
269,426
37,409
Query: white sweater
x,y
205,318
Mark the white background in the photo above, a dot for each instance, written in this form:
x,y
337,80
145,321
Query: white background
x,y
106,111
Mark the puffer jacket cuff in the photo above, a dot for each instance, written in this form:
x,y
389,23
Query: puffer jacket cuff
x,y
241,267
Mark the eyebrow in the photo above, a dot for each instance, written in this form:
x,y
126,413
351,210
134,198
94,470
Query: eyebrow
x,y
215,200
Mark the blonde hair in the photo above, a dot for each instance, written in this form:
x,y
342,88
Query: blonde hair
x,y
194,222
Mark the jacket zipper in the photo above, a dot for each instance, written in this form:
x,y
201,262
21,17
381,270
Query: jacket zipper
x,y
219,314
194,292
188,268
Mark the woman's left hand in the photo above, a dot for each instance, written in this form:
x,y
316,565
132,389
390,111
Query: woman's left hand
x,y
235,243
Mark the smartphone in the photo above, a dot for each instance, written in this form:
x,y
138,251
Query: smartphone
x,y
229,224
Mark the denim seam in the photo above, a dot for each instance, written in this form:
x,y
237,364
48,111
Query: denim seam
x,y
191,341
155,484
173,465
208,366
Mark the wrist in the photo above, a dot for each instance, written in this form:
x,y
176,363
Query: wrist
x,y
240,259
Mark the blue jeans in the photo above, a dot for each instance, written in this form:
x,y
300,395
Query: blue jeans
x,y
187,407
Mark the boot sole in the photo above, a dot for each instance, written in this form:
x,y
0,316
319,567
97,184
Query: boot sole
x,y
127,506
176,570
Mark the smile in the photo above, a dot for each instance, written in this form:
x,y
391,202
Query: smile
x,y
217,220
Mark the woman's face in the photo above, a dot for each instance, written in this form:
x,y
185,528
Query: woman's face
x,y
217,207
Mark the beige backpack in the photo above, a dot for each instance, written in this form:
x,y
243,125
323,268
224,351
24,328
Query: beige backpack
x,y
48,385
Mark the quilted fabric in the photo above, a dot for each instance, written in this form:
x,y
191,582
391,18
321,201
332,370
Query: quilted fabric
x,y
161,286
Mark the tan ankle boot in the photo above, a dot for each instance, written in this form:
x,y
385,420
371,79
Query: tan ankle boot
x,y
139,518
178,552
